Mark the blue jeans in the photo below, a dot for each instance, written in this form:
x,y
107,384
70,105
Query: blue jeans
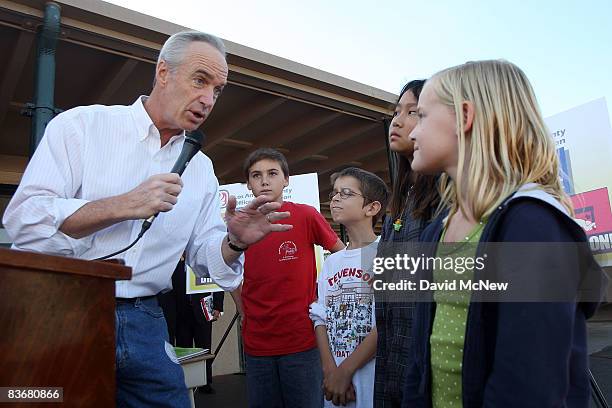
x,y
146,374
285,381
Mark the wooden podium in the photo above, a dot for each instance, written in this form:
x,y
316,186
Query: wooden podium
x,y
57,326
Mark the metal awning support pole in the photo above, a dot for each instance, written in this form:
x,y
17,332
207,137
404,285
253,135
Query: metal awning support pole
x,y
42,110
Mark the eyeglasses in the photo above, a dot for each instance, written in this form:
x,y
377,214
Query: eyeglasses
x,y
344,193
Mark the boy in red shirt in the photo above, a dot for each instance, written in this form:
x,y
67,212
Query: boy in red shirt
x,y
283,365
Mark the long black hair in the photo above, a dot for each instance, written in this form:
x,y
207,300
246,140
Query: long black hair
x,y
424,196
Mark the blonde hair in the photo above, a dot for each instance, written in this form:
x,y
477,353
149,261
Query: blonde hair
x,y
508,145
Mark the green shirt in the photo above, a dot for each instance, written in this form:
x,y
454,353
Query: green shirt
x,y
448,333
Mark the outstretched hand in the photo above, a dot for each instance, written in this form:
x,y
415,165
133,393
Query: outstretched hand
x,y
252,223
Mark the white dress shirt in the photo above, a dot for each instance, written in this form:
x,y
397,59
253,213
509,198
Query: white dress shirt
x,y
94,152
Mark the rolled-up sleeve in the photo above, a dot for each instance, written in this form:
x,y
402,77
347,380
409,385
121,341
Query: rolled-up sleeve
x,y
204,248
46,195
317,314
317,310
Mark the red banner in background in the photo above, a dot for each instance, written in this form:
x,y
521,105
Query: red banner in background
x,y
593,213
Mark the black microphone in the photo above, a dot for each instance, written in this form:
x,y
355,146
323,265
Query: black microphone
x,y
193,143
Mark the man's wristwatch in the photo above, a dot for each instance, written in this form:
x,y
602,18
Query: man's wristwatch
x,y
235,247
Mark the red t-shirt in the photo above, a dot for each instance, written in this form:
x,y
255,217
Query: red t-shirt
x,y
279,284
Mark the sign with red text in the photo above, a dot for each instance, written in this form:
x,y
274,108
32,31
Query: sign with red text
x,y
583,138
303,189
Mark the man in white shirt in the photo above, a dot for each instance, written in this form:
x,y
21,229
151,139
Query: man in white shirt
x,y
100,170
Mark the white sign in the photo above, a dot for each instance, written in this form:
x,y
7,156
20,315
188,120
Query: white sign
x,y
302,189
583,139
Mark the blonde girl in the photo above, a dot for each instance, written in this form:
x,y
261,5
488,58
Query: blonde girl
x,y
480,126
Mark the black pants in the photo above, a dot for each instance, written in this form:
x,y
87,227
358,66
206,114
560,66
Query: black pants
x,y
187,325
193,329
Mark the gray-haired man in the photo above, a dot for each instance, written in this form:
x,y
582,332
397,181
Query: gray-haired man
x,y
100,170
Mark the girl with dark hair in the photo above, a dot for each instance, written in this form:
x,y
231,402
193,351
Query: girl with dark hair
x,y
413,201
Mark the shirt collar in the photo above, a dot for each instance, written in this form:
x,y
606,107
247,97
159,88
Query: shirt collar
x,y
145,124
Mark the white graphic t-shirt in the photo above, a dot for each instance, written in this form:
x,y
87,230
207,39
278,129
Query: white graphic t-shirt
x,y
346,307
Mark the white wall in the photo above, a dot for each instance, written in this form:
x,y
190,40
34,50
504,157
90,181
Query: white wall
x,y
228,360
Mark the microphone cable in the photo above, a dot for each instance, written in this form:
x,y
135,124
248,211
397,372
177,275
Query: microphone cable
x,y
145,227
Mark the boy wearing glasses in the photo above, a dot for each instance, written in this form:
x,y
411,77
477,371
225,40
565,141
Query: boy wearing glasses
x,y
344,316
283,366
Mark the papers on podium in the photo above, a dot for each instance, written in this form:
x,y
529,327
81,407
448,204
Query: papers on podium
x,y
185,354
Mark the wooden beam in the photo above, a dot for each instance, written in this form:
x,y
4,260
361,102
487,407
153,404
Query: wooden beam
x,y
374,163
250,111
377,164
355,151
16,62
12,168
115,79
241,144
381,111
282,136
325,142
297,128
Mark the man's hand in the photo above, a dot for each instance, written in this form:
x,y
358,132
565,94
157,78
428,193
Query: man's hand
x,y
216,315
156,194
253,222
